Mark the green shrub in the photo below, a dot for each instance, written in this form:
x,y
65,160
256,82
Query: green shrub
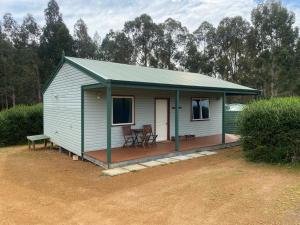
x,y
270,130
19,122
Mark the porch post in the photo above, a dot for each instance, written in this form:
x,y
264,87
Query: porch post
x,y
177,122
108,123
223,117
82,122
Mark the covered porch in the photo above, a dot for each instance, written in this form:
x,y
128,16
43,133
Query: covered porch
x,y
102,139
132,154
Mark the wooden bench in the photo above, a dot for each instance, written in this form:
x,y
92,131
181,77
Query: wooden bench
x,y
34,138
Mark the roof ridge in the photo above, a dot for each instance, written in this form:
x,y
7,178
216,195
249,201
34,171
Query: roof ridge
x,y
117,71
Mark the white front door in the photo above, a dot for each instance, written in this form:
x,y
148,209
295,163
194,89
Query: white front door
x,y
161,119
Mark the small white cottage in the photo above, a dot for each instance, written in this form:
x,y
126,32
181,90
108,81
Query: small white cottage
x,y
100,111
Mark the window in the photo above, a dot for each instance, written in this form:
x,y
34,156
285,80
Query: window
x,y
200,109
122,110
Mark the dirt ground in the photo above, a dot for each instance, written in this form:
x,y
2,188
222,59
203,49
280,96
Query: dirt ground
x,y
46,187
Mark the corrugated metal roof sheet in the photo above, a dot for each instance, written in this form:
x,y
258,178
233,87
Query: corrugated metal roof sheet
x,y
132,73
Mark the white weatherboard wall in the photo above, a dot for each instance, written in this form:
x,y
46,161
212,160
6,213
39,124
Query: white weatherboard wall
x,y
199,128
95,115
62,108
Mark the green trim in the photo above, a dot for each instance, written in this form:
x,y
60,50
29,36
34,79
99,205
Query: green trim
x,y
223,117
130,84
53,75
92,86
83,88
177,122
108,123
87,71
82,121
241,93
84,70
133,84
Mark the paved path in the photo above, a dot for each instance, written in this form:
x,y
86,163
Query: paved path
x,y
158,162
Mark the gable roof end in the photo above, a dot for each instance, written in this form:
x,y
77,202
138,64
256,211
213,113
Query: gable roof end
x,y
123,74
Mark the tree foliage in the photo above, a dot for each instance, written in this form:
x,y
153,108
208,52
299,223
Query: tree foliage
x,y
117,47
84,46
263,53
54,39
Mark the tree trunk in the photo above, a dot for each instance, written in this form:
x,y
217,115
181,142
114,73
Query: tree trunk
x,y
13,97
2,101
273,80
234,78
145,55
6,101
38,84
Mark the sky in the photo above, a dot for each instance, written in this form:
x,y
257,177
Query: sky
x,y
103,15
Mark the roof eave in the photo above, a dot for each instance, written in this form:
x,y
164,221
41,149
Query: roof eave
x,y
63,60
121,83
92,74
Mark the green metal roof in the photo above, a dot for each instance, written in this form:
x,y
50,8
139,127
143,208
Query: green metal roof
x,y
145,75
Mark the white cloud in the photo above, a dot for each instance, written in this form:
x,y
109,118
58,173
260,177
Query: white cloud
x,y
103,15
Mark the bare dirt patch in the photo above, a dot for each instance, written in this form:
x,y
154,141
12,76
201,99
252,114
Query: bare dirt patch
x,y
46,187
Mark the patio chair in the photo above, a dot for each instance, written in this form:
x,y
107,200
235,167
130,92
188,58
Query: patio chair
x,y
149,136
129,138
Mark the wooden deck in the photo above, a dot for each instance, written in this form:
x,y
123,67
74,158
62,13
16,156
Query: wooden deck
x,y
132,153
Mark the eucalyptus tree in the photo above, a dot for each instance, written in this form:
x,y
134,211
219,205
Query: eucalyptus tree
x,y
205,38
274,25
117,47
29,33
83,44
231,36
6,71
9,67
10,28
97,43
29,61
55,38
296,82
144,34
174,37
22,73
191,55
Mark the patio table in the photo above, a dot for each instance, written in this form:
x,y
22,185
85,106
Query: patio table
x,y
137,132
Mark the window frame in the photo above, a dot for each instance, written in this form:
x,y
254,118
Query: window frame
x,y
192,113
132,109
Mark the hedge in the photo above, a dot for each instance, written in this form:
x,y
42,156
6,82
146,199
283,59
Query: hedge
x,y
18,122
270,130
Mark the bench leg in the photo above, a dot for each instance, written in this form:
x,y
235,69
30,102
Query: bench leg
x,y
45,144
51,145
33,143
29,145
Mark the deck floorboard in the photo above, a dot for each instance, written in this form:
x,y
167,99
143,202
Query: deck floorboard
x,y
131,153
